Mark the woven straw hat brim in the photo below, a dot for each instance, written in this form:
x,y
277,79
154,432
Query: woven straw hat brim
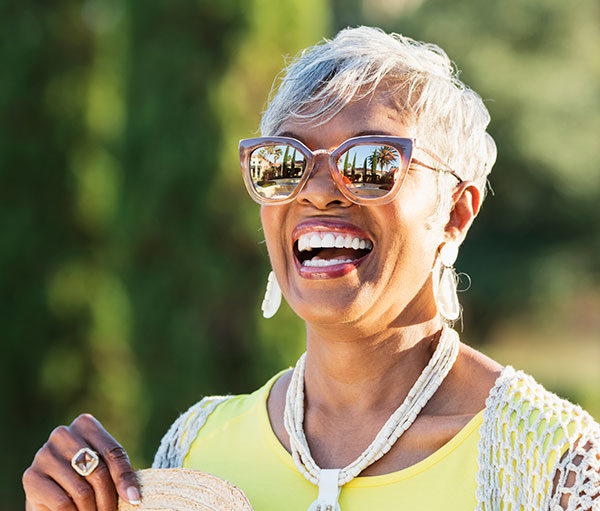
x,y
183,489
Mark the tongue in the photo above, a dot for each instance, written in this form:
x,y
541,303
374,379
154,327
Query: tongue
x,y
339,253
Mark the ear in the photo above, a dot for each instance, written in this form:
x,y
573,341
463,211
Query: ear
x,y
466,200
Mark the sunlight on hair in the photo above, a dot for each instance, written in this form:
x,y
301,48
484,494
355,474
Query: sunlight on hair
x,y
448,117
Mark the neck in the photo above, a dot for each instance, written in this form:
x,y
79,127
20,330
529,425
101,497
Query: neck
x,y
348,370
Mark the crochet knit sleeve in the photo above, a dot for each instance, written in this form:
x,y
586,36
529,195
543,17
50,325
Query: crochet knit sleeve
x,y
176,443
536,451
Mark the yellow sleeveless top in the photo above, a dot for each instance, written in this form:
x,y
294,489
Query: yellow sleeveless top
x,y
237,443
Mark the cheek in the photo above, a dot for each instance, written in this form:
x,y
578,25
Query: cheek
x,y
272,218
269,220
418,232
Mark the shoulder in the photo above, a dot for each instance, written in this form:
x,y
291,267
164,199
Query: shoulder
x,y
539,446
516,398
175,444
210,413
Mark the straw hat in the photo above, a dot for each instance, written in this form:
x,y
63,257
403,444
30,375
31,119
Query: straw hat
x,y
181,489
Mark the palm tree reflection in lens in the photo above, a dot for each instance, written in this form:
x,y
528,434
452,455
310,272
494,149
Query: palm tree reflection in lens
x,y
367,181
275,172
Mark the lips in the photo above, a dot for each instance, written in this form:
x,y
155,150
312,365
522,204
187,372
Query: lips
x,y
325,249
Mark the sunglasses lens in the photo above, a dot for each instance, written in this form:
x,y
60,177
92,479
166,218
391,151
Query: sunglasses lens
x,y
370,170
276,170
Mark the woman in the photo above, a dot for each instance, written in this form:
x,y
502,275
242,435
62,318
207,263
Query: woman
x,y
371,172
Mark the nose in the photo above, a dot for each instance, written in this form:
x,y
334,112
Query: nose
x,y
320,191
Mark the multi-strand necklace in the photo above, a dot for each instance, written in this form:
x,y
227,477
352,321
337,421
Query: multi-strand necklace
x,y
330,481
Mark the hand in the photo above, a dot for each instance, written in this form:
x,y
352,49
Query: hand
x,y
51,483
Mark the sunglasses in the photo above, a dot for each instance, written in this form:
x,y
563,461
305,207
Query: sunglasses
x,y
367,170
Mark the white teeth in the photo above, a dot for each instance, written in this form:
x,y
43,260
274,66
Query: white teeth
x,y
308,241
328,240
303,243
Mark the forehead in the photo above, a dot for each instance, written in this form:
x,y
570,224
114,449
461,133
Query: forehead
x,y
380,112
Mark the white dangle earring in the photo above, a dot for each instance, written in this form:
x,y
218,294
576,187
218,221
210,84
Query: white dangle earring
x,y
446,293
272,299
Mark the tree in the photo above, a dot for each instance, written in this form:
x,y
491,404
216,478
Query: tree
x,y
285,172
203,73
346,164
387,156
118,155
374,160
293,164
272,153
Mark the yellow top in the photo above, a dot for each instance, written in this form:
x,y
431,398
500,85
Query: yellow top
x,y
238,444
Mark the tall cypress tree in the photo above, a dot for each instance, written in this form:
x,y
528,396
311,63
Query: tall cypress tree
x,y
46,243
194,268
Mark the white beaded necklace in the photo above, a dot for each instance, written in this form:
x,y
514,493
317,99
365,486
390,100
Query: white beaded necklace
x,y
330,481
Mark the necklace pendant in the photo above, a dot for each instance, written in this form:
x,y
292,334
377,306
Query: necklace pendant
x,y
329,491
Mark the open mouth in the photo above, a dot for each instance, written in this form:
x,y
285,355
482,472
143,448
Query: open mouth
x,y
330,252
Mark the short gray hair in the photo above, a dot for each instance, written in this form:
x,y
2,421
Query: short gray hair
x,y
449,118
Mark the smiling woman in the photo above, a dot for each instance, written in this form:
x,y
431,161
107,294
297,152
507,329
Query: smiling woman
x,y
371,169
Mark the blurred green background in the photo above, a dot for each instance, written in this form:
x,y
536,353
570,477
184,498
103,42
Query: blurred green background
x,y
132,267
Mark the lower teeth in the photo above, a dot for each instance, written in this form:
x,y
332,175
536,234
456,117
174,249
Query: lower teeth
x,y
325,262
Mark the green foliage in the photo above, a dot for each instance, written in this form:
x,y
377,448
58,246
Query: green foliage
x,y
293,163
194,267
132,268
346,163
44,354
284,166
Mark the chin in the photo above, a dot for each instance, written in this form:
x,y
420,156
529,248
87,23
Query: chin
x,y
353,303
333,307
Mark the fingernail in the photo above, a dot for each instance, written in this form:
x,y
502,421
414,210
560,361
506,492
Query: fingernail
x,y
133,495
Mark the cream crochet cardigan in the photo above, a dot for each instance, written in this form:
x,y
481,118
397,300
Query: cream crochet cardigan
x,y
536,451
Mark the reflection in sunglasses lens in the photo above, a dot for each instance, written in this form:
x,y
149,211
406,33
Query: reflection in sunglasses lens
x,y
276,170
370,170
367,170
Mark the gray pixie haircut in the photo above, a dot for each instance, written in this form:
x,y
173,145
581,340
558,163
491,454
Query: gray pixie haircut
x,y
445,115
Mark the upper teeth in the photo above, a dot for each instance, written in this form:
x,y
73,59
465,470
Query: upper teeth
x,y
329,240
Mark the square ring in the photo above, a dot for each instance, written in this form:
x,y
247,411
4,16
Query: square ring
x,y
85,461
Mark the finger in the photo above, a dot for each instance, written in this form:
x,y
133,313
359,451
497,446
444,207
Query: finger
x,y
99,482
113,454
104,488
54,459
43,493
34,507
30,506
59,469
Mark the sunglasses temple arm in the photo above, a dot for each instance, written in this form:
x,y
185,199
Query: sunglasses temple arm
x,y
433,156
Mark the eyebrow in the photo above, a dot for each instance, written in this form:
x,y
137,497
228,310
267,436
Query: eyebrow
x,y
289,134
